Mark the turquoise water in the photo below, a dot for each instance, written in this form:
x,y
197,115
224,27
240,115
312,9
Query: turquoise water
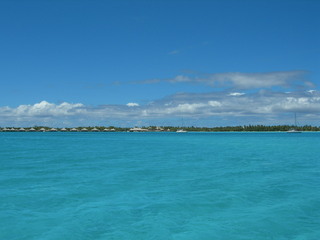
x,y
136,186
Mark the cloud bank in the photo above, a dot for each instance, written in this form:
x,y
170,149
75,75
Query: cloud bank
x,y
251,98
232,106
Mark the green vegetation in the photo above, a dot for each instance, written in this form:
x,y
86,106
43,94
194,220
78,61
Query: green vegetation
x,y
254,128
246,128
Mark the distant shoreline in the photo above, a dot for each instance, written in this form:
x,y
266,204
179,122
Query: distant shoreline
x,y
249,128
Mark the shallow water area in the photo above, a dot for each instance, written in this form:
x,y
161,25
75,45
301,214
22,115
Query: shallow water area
x,y
159,186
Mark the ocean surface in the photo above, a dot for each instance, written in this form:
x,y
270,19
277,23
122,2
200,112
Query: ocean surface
x,y
141,186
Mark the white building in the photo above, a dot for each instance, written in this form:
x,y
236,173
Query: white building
x,y
136,129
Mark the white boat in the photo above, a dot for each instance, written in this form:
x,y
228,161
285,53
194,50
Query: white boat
x,y
294,130
181,131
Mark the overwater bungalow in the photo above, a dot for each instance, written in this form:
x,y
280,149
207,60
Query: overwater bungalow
x,y
42,130
32,130
73,130
84,130
22,129
95,130
63,129
53,130
109,130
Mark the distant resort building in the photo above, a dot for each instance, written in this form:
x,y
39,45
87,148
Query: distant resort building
x,y
74,130
136,129
109,130
159,129
95,130
32,130
63,129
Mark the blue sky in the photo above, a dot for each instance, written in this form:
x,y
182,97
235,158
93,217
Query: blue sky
x,y
127,63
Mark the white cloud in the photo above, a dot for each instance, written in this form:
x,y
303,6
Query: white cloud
x,y
132,104
47,109
186,108
236,94
237,80
255,80
311,91
214,104
180,78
